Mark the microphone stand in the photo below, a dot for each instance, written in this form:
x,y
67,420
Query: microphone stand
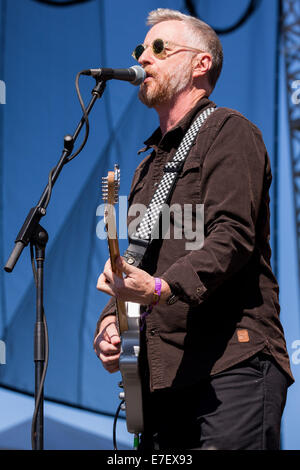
x,y
32,232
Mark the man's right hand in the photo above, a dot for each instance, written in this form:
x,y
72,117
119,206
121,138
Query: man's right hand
x,y
107,344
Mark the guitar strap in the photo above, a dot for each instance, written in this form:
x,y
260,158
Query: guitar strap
x,y
147,229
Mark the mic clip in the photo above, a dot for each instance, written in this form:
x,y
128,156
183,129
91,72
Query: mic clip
x,y
99,74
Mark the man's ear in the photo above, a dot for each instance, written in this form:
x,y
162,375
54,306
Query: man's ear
x,y
201,64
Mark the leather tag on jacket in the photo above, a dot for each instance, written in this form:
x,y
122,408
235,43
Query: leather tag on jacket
x,y
243,336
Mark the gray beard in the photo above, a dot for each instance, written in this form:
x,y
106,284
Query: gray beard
x,y
166,87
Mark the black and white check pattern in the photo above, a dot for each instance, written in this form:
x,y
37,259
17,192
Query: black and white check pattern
x,y
148,224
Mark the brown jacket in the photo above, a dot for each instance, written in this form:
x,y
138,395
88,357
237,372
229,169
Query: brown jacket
x,y
228,296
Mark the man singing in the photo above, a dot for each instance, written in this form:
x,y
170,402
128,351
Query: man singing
x,y
213,355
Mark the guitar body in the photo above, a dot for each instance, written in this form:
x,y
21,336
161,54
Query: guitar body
x,y
128,317
129,368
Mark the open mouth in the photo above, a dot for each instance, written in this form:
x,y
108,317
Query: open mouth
x,y
149,76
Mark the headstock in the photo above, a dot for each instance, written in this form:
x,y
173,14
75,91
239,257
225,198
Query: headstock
x,y
110,195
111,186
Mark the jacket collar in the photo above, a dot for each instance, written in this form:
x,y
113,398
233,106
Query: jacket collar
x,y
174,136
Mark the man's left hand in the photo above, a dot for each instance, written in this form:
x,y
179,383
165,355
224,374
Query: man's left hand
x,y
137,285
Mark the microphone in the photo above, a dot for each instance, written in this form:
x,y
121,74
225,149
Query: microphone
x,y
135,74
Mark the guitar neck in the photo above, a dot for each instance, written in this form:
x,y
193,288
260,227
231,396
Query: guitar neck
x,y
114,253
110,186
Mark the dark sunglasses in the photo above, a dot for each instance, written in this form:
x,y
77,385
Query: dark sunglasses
x,y
160,48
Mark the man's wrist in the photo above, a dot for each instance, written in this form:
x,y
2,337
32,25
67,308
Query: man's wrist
x,y
157,290
165,291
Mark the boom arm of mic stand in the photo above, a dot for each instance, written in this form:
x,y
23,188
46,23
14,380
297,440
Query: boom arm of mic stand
x,y
36,213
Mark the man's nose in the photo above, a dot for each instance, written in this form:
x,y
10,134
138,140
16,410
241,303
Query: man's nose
x,y
146,56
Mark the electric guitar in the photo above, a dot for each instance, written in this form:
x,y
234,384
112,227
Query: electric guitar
x,y
128,314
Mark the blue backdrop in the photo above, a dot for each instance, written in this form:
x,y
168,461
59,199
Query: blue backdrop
x,y
42,49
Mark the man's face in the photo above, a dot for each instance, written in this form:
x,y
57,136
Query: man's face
x,y
165,77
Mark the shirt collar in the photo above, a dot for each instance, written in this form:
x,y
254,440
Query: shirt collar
x,y
175,135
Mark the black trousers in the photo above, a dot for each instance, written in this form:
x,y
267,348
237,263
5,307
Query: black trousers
x,y
238,409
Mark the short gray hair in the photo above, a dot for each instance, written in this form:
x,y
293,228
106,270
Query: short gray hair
x,y
200,34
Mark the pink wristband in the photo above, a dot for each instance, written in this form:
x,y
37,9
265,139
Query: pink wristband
x,y
157,291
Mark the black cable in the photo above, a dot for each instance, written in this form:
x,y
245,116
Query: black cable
x,y
87,130
252,7
86,119
115,424
40,391
49,188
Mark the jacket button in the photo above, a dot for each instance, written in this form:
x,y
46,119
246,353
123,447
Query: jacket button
x,y
152,331
199,290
